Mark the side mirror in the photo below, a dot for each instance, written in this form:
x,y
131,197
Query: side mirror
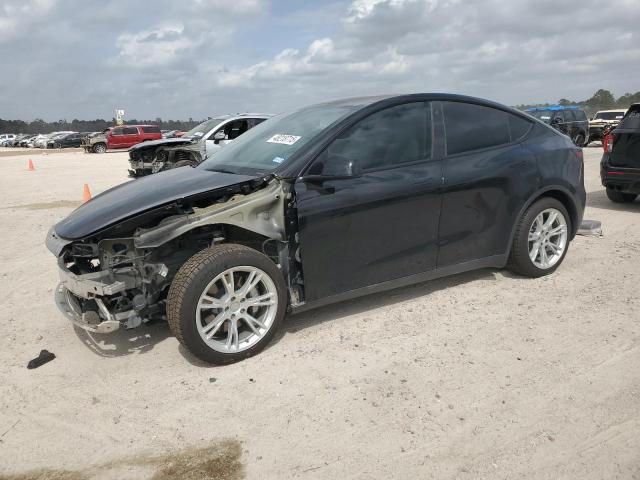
x,y
332,167
219,136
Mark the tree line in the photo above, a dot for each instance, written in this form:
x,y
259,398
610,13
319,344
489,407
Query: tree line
x,y
601,100
40,126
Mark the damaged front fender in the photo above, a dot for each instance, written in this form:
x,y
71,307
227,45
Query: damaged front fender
x,y
261,212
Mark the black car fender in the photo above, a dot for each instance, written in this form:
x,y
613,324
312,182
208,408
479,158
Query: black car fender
x,y
562,194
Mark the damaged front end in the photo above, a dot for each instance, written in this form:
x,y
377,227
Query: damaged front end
x,y
120,276
154,158
107,284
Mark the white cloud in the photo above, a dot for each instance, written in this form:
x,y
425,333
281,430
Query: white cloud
x,y
203,57
489,48
152,48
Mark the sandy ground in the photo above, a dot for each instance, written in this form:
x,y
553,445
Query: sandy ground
x,y
479,376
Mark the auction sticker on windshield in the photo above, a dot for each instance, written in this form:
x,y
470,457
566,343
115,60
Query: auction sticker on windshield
x,y
284,139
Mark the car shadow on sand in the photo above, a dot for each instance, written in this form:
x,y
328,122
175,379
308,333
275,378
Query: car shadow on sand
x,y
338,311
142,339
599,199
124,342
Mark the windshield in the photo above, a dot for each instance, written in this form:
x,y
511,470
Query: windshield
x,y
609,115
271,143
202,129
544,115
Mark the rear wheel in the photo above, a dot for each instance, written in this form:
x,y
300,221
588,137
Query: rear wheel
x,y
99,148
620,197
541,239
226,303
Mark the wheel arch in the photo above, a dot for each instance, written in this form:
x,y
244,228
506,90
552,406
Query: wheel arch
x,y
561,194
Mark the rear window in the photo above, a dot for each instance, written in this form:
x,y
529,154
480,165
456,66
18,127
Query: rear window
x,y
631,120
518,127
151,129
473,127
581,116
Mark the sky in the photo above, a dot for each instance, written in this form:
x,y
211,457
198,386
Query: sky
x,y
65,59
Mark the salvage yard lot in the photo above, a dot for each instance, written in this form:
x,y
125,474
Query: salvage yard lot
x,y
480,375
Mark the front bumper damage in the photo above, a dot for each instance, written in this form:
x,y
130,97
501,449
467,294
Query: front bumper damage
x,y
140,168
95,286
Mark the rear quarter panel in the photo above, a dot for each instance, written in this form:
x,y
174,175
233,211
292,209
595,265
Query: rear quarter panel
x,y
560,167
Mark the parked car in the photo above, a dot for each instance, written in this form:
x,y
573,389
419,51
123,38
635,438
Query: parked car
x,y
123,136
620,164
570,120
172,134
65,140
18,138
25,142
324,204
601,120
5,138
192,147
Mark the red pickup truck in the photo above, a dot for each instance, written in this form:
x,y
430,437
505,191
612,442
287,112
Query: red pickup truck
x,y
123,136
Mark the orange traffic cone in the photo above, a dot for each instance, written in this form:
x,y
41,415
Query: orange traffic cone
x,y
86,194
30,166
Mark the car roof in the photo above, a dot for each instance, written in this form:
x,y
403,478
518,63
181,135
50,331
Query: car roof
x,y
145,125
553,108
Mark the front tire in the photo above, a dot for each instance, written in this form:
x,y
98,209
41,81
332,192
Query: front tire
x,y
99,148
226,303
620,197
541,240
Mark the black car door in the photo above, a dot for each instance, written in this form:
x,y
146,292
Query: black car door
x,y
381,224
487,177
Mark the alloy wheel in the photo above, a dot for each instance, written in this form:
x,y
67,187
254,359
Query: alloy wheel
x,y
236,309
548,238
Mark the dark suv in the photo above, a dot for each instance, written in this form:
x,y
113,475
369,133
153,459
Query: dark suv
x,y
620,165
572,121
320,205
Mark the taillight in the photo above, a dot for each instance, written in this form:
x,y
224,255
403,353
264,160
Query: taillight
x,y
607,143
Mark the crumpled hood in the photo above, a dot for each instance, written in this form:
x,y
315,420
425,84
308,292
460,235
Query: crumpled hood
x,y
137,196
162,141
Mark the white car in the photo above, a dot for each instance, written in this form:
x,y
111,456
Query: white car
x,y
42,140
5,138
194,146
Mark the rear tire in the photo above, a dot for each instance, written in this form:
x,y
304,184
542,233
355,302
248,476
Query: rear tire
x,y
620,197
527,237
210,313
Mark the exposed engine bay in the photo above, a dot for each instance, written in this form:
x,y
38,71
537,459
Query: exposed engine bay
x,y
110,280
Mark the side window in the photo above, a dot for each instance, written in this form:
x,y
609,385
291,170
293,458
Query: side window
x,y
236,128
151,129
255,121
116,131
518,127
394,136
581,116
559,116
130,131
472,127
570,115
